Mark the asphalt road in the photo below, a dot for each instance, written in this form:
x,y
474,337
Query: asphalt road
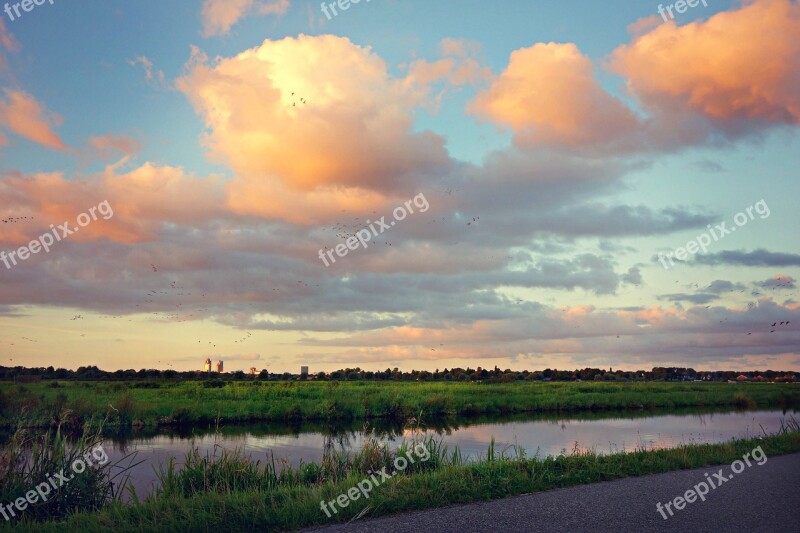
x,y
760,498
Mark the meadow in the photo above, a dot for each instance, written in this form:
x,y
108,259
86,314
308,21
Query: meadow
x,y
230,491
182,403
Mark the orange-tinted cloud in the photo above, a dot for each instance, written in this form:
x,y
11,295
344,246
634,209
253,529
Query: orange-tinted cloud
x,y
460,65
106,146
6,41
307,124
142,199
219,16
643,25
274,7
548,94
25,116
742,65
153,76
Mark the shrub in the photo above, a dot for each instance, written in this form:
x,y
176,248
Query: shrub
x,y
740,399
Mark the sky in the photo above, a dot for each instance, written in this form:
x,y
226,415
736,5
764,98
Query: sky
x,y
403,183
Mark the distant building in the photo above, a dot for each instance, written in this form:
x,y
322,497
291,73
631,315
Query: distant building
x,y
252,371
303,371
207,366
218,367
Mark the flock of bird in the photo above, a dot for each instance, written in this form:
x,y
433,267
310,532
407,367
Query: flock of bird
x,y
302,101
158,296
14,220
350,228
785,283
776,325
343,230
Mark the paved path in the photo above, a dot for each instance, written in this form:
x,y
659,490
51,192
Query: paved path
x,y
760,498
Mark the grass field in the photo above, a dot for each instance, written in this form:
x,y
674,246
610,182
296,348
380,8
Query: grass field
x,y
184,403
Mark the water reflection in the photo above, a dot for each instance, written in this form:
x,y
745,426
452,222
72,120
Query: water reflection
x,y
538,435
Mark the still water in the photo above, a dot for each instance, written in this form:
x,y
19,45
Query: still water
x,y
540,435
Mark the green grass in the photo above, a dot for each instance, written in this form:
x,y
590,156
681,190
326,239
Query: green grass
x,y
227,492
29,459
160,403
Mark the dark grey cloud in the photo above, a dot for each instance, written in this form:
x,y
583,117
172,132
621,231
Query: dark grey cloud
x,y
596,220
720,286
759,257
778,282
700,299
633,276
706,165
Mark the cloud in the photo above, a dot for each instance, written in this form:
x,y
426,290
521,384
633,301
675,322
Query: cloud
x,y
686,81
6,41
308,136
548,95
147,65
459,282
106,146
242,357
633,276
460,66
219,16
275,7
695,336
759,257
706,294
643,25
778,281
602,220
143,200
707,165
697,69
25,116
720,285
699,299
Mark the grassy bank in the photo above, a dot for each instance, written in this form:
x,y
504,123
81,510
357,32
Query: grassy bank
x,y
176,403
29,461
384,428
230,493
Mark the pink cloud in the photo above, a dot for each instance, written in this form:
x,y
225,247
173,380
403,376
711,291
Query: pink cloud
x,y
738,66
6,41
143,200
219,16
105,146
275,7
459,66
644,25
308,136
25,116
548,95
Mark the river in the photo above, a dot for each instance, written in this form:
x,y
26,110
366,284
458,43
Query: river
x,y
538,435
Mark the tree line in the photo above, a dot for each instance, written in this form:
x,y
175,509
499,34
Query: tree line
x,y
496,375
